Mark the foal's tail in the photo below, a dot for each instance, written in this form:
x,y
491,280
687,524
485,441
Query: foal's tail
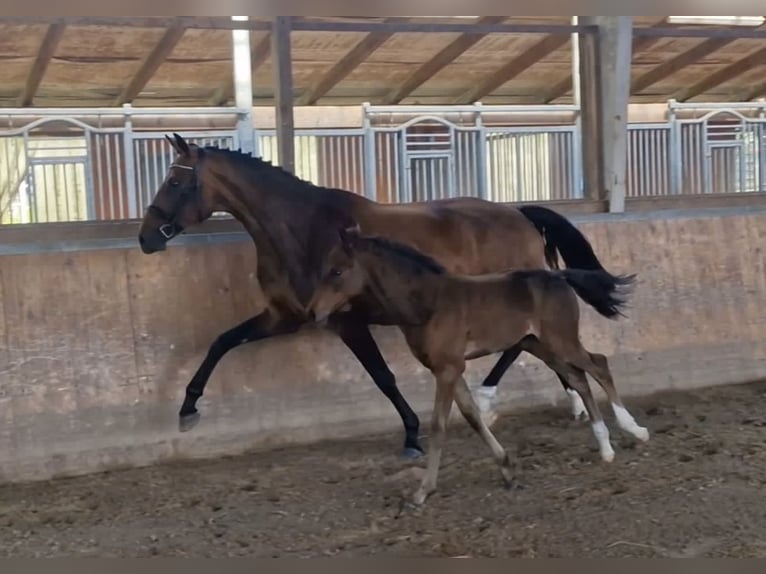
x,y
606,293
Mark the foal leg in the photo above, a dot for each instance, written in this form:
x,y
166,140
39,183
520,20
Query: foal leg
x,y
597,367
445,391
256,328
485,395
471,413
579,382
359,340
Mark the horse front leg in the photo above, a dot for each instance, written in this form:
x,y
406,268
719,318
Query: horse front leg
x,y
357,337
262,326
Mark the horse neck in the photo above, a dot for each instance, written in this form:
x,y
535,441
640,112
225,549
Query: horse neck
x,y
406,297
289,220
271,198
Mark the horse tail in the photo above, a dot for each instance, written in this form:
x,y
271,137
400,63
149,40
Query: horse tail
x,y
562,236
606,293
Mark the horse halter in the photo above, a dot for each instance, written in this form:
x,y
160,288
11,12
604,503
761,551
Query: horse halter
x,y
170,228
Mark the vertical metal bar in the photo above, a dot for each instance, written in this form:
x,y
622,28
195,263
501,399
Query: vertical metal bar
x,y
243,87
370,167
130,166
481,155
73,205
108,203
283,90
113,141
676,151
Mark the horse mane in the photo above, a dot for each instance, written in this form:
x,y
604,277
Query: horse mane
x,y
406,258
290,184
303,218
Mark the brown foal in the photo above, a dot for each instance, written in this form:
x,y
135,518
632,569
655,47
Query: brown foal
x,y
447,319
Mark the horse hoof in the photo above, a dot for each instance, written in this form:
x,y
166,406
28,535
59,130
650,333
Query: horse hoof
x,y
513,484
412,453
188,422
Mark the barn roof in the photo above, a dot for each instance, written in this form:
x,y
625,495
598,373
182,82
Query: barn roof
x,y
72,62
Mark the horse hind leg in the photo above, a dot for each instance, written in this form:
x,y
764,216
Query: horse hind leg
x,y
598,367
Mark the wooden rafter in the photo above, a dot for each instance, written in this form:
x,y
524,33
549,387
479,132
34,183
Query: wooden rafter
x,y
358,54
759,91
564,86
757,58
151,64
258,55
48,47
548,44
442,59
677,63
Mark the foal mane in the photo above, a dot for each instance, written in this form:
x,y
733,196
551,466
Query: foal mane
x,y
406,258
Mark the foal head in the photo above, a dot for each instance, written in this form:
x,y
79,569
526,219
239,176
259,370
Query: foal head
x,y
341,277
181,200
392,276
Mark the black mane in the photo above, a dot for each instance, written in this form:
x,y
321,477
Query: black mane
x,y
300,219
416,261
290,184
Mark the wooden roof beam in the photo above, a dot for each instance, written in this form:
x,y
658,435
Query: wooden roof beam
x,y
678,62
757,58
548,44
258,55
151,64
442,59
358,54
759,91
44,55
640,43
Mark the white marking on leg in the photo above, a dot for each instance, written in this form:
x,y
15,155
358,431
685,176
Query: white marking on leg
x,y
485,400
485,397
602,436
578,407
629,424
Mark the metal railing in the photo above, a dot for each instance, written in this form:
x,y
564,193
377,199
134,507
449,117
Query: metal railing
x,y
106,164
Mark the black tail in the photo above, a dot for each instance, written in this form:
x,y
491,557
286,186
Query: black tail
x,y
605,292
562,237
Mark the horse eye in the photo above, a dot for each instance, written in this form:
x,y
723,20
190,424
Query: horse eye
x,y
336,272
174,182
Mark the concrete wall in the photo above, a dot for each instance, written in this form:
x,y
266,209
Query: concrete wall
x,y
97,345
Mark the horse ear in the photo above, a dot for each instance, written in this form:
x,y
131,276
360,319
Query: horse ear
x,y
182,147
172,143
348,237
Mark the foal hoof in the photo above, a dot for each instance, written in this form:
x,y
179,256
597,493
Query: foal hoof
x,y
412,453
188,422
642,434
607,456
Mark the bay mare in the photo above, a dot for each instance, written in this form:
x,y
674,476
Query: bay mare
x,y
293,224
447,319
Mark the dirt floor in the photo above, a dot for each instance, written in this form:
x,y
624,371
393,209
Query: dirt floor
x,y
696,489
